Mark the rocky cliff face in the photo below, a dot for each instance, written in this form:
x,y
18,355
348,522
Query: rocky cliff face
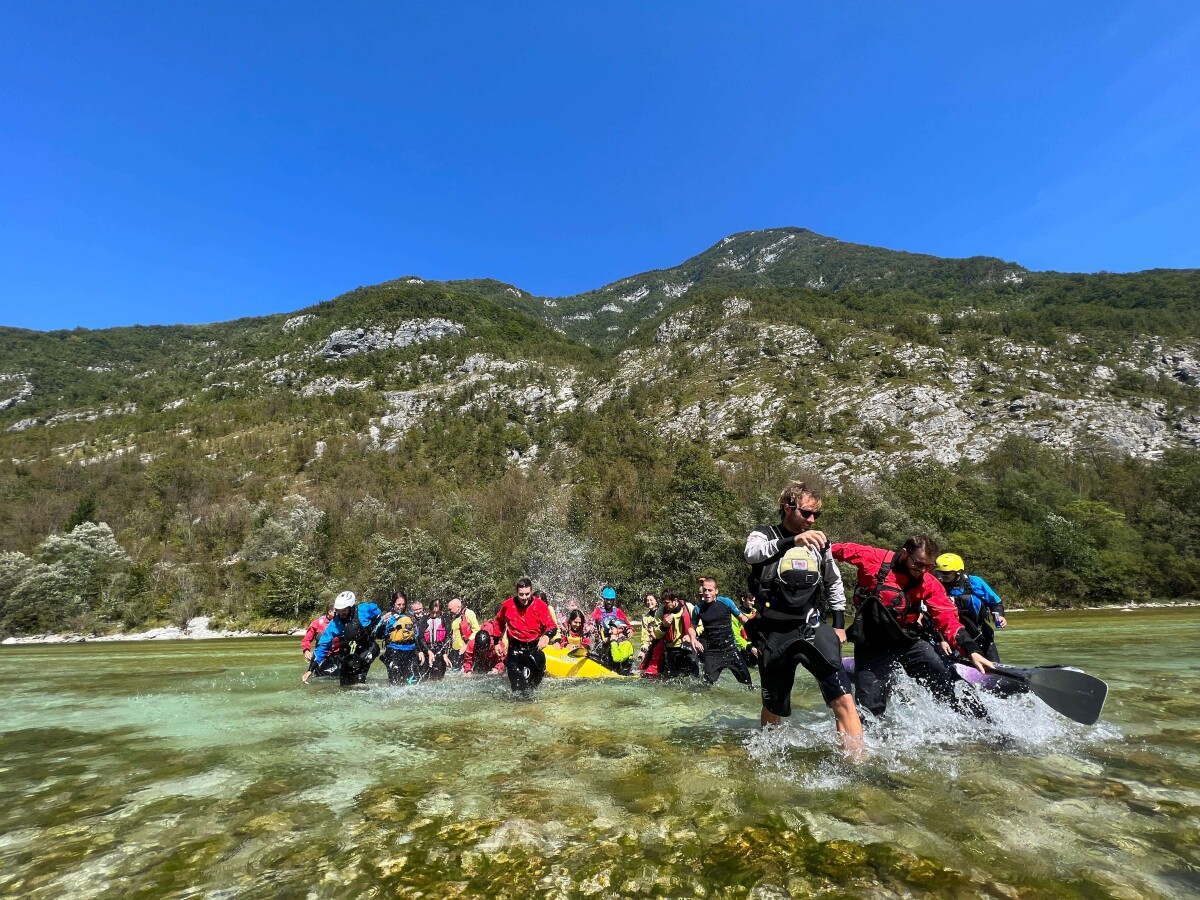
x,y
707,349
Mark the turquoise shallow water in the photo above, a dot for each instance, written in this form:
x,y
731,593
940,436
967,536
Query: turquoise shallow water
x,y
203,769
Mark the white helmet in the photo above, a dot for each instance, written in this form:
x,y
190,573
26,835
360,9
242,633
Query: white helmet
x,y
344,600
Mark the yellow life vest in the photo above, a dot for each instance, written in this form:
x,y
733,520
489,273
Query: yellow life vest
x,y
402,630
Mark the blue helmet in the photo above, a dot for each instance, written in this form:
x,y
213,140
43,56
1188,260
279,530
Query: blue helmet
x,y
608,594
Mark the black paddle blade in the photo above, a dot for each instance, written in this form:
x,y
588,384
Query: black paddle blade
x,y
1074,694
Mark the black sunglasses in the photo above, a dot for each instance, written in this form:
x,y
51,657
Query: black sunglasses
x,y
813,514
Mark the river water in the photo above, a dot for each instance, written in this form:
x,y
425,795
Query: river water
x,y
203,769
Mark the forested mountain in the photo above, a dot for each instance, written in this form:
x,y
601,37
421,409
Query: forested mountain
x,y
448,436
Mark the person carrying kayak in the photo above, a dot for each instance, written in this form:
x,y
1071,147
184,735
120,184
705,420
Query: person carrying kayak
x,y
400,630
713,617
315,629
978,605
794,579
463,624
484,655
895,592
529,627
353,628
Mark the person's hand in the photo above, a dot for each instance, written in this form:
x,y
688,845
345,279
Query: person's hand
x,y
813,540
841,633
543,642
982,663
1001,621
308,656
945,648
307,675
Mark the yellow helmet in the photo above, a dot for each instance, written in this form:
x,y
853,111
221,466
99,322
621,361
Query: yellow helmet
x,y
950,562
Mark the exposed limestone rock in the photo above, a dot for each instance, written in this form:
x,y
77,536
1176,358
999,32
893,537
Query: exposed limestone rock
x,y
1182,365
770,253
280,376
676,290
298,322
24,390
735,306
675,328
351,341
327,385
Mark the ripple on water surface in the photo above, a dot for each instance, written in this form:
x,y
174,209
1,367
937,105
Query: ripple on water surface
x,y
205,770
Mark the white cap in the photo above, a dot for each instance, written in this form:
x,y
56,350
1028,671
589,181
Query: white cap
x,y
344,600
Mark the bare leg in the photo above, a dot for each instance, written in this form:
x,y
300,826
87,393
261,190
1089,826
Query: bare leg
x,y
849,726
766,717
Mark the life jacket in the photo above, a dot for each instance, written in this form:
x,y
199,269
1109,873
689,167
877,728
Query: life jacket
x,y
970,607
673,632
462,626
572,640
354,635
789,584
401,629
607,618
621,651
885,613
435,630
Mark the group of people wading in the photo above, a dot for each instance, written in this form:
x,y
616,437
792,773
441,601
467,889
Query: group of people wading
x,y
915,611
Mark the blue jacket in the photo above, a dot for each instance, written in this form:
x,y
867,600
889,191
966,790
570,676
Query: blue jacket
x,y
368,616
979,594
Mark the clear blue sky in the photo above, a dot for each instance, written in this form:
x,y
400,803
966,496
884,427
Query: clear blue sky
x,y
192,162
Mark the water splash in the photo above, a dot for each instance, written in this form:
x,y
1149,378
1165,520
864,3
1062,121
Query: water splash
x,y
918,731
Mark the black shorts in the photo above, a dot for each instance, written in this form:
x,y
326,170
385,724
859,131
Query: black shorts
x,y
784,647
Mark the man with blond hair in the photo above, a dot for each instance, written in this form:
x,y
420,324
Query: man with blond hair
x,y
794,580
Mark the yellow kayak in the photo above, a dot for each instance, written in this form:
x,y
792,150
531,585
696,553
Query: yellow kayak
x,y
561,665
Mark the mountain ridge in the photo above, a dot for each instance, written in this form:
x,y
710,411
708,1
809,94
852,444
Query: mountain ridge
x,y
444,436
704,270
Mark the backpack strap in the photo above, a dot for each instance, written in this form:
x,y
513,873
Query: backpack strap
x,y
754,579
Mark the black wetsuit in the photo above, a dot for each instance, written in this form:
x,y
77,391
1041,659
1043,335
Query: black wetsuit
x,y
525,664
400,655
358,652
720,649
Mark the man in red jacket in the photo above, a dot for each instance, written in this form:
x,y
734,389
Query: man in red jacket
x,y
527,622
896,597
